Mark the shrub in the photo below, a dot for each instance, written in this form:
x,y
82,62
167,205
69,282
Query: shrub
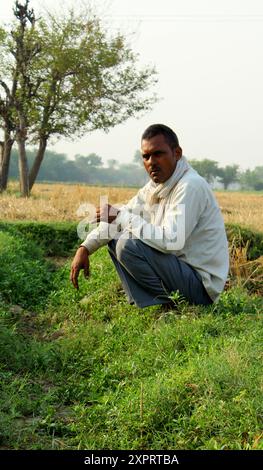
x,y
55,238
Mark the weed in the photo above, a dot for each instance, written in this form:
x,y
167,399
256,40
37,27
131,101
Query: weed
x,y
85,370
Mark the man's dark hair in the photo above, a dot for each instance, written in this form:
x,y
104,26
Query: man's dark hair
x,y
157,129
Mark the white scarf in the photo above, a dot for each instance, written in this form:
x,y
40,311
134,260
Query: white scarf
x,y
159,191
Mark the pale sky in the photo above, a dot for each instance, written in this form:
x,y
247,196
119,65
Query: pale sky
x,y
209,59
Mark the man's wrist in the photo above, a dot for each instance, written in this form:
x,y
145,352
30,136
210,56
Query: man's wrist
x,y
83,246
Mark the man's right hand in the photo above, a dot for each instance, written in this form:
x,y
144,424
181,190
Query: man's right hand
x,y
80,261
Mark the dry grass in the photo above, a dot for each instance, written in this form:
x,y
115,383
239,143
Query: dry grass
x,y
242,208
243,272
55,202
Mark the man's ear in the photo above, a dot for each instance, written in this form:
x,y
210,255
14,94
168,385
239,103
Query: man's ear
x,y
178,153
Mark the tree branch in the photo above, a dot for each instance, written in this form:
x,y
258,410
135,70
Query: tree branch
x,y
4,85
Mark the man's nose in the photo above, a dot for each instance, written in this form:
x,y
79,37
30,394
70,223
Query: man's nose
x,y
152,159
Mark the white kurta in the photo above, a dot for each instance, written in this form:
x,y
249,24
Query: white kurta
x,y
187,222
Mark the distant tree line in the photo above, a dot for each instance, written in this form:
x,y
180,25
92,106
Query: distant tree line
x,y
247,179
90,169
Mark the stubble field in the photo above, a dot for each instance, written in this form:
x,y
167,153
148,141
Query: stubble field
x,y
60,202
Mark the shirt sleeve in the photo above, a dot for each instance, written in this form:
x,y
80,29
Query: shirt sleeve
x,y
178,220
104,232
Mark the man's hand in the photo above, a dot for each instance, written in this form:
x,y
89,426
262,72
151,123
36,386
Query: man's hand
x,y
106,213
80,261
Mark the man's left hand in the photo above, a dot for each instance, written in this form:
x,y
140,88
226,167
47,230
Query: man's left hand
x,y
106,213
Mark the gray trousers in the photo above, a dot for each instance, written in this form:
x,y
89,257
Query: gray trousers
x,y
149,276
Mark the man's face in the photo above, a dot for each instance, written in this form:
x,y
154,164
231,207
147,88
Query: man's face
x,y
159,158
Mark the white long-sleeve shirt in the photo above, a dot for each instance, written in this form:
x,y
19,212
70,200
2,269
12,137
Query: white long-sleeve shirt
x,y
187,223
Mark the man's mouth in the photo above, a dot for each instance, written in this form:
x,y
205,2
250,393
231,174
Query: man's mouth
x,y
154,171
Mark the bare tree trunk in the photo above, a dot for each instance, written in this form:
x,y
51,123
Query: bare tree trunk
x,y
37,162
1,163
6,149
23,168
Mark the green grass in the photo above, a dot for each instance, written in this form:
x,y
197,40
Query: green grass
x,y
55,239
84,370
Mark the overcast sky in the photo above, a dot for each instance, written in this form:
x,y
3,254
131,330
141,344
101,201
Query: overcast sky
x,y
209,58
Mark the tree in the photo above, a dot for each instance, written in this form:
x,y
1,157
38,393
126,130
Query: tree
x,y
258,178
228,175
19,49
253,179
69,77
25,49
206,168
7,95
113,164
92,160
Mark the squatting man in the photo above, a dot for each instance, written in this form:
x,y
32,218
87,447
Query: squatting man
x,y
169,237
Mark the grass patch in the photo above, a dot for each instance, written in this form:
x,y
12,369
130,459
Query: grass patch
x,y
61,239
55,239
85,370
25,277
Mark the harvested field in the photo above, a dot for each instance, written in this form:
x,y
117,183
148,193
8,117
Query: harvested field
x,y
60,202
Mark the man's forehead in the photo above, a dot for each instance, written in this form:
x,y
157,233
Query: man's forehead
x,y
156,141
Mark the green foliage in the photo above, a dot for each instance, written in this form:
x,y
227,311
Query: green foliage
x,y
83,169
25,278
237,300
253,179
90,161
20,353
206,168
91,371
90,169
229,174
56,239
64,75
60,238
